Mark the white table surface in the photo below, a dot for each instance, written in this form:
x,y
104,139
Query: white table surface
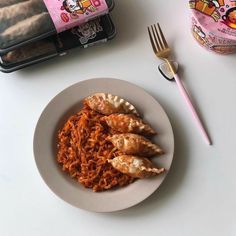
x,y
199,194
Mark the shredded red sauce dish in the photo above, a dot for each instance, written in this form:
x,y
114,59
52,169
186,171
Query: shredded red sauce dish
x,y
83,151
101,151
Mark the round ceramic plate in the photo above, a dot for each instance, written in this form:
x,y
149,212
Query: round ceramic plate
x,y
69,102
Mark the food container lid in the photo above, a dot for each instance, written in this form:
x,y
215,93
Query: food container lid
x,y
26,21
218,17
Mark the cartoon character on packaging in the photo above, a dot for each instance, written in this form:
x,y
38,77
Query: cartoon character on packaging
x,y
230,18
208,7
217,3
78,6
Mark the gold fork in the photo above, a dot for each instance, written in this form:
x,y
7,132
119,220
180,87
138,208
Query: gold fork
x,y
163,52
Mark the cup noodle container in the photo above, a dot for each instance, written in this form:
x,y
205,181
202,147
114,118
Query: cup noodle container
x,y
214,24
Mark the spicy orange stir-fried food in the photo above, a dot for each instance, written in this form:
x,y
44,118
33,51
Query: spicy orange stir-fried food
x,y
99,148
83,151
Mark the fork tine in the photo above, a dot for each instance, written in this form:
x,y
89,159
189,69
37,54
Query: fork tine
x,y
152,42
162,36
159,39
156,40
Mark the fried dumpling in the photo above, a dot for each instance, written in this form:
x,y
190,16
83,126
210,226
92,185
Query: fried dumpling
x,y
137,167
107,104
128,123
133,144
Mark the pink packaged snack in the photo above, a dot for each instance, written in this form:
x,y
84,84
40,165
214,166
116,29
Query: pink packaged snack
x,y
67,14
27,21
214,24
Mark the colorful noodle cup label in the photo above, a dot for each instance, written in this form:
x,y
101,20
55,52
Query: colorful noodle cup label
x,y
67,14
214,24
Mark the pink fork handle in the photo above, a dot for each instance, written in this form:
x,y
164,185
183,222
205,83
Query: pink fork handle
x,y
192,109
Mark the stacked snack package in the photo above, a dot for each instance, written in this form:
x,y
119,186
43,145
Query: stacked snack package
x,y
36,30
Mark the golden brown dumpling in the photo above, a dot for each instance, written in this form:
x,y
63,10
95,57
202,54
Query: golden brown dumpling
x,y
108,104
133,144
137,167
128,123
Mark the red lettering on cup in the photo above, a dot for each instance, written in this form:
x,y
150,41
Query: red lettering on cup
x,y
65,17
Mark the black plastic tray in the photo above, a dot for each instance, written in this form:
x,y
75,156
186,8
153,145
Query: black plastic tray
x,y
91,33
